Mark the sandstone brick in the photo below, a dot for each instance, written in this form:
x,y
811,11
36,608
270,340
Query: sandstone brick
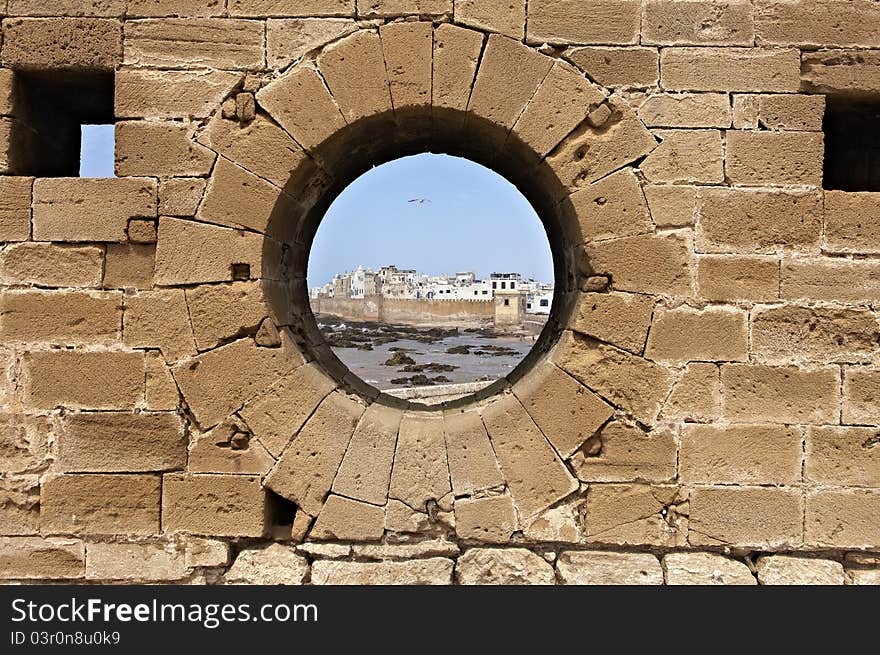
x,y
80,209
536,477
472,464
793,570
302,105
33,558
421,472
843,518
697,394
181,196
686,157
101,504
142,231
591,153
861,396
655,264
214,505
224,44
161,391
512,566
760,158
817,23
705,569
756,516
746,111
788,334
66,8
15,208
433,571
790,112
685,334
268,565
79,44
621,319
291,7
80,379
205,552
159,319
228,448
636,384
61,317
9,362
863,577
365,472
740,454
19,502
220,381
9,90
841,71
456,56
612,207
559,525
192,253
401,518
730,69
346,519
607,568
509,75
281,410
129,266
738,278
699,22
305,472
135,561
408,49
780,394
561,103
23,442
686,110
584,21
613,67
184,8
852,222
387,8
566,412
488,520
625,453
843,456
756,221
831,279
114,443
220,312
506,17
354,69
291,38
145,93
671,206
420,549
635,514
163,149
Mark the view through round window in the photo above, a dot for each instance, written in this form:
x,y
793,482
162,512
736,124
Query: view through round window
x,y
431,277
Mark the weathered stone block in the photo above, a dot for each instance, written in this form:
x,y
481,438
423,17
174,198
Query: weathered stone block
x,y
163,149
161,392
291,7
765,517
861,396
705,569
354,70
607,568
33,558
420,473
852,222
472,464
219,43
19,497
66,8
15,208
503,16
671,206
832,279
129,266
135,561
623,453
537,478
389,8
612,207
181,196
843,518
738,278
214,505
640,514
843,456
619,67
114,442
24,441
408,49
584,21
802,113
780,394
268,565
841,71
220,312
489,520
686,157
60,317
228,448
79,44
730,69
87,380
171,94
621,319
291,38
694,110
740,454
793,570
101,504
432,571
685,334
82,209
349,520
762,158
653,264
456,56
699,22
159,319
697,395
365,472
817,23
512,566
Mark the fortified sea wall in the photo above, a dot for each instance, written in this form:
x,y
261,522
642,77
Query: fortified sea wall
x,y
703,409
407,311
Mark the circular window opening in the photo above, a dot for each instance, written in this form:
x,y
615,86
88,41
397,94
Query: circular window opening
x,y
431,277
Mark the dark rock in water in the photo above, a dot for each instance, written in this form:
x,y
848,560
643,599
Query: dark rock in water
x,y
420,381
459,350
429,368
400,359
495,351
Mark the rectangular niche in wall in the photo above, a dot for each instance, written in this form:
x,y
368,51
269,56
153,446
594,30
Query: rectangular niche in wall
x,y
852,144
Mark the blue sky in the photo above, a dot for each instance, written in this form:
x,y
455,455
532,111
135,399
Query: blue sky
x,y
472,220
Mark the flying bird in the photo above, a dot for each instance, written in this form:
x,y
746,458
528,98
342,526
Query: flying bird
x,y
420,201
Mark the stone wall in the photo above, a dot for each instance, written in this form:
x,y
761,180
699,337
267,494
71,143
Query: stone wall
x,y
703,407
407,311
